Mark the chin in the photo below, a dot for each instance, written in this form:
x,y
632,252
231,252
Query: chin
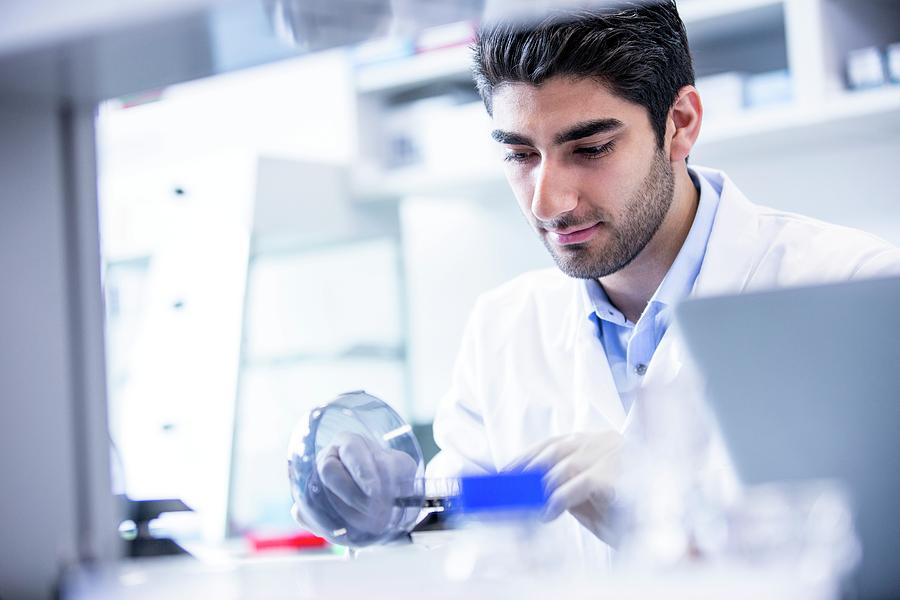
x,y
578,265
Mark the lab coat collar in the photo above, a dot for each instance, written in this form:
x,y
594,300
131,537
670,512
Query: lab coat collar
x,y
736,243
733,250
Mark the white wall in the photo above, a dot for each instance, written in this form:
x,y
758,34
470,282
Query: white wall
x,y
850,183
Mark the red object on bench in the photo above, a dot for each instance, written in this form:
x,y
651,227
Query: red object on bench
x,y
296,540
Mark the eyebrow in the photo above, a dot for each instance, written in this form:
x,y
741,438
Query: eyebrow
x,y
576,132
512,139
587,129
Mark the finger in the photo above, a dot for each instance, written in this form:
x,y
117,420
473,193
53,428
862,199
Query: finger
x,y
600,457
401,472
570,494
391,466
386,472
560,473
528,457
576,491
553,454
357,458
529,454
338,480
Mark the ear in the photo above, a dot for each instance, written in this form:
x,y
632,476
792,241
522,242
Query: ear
x,y
685,119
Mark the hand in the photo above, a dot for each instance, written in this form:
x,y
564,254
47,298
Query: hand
x,y
362,482
582,470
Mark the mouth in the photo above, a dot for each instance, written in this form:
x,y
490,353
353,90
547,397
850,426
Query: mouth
x,y
567,237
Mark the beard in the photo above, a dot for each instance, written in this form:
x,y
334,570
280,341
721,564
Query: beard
x,y
629,233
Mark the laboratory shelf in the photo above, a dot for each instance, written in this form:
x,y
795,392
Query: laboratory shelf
x,y
695,11
851,25
706,19
416,71
808,39
849,116
703,19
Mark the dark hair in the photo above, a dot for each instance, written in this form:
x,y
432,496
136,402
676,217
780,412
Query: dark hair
x,y
638,49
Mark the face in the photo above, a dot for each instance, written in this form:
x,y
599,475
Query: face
x,y
586,170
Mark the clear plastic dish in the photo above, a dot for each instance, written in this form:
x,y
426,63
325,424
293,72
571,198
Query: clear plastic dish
x,y
380,516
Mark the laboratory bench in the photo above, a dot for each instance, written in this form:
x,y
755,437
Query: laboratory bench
x,y
414,571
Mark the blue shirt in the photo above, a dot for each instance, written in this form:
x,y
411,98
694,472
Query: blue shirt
x,y
630,346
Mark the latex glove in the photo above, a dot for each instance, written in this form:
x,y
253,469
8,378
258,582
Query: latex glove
x,y
582,470
363,482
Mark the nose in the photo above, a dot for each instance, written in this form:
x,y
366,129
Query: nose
x,y
554,193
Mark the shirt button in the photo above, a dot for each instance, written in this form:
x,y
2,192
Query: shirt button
x,y
640,369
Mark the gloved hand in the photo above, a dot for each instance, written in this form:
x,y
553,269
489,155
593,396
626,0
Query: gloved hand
x,y
362,482
582,470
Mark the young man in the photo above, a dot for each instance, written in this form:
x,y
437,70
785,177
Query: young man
x,y
597,115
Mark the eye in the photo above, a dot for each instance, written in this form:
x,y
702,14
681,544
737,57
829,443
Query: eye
x,y
591,152
517,157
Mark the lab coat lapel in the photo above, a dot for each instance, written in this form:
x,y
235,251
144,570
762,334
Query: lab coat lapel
x,y
736,244
663,370
731,257
597,402
666,361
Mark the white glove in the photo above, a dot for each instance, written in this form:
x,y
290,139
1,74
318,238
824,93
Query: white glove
x,y
582,470
364,482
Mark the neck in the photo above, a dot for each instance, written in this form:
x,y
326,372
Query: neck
x,y
631,288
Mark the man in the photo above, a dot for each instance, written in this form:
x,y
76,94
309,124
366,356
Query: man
x,y
597,115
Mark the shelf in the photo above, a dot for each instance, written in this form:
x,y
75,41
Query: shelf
x,y
702,10
851,25
872,114
858,115
416,71
750,37
701,18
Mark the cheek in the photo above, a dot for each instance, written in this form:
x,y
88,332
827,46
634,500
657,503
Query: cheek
x,y
617,182
522,187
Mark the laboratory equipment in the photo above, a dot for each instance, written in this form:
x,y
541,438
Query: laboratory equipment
x,y
893,62
357,478
865,68
356,471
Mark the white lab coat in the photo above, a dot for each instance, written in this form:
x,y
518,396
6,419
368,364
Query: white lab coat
x,y
531,365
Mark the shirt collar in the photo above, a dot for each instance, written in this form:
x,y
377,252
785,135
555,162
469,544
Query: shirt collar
x,y
679,280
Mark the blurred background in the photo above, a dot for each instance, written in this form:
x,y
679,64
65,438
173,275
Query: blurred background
x,y
320,214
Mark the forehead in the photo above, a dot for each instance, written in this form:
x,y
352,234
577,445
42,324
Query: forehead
x,y
542,111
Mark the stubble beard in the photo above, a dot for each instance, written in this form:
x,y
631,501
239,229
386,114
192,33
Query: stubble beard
x,y
629,234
